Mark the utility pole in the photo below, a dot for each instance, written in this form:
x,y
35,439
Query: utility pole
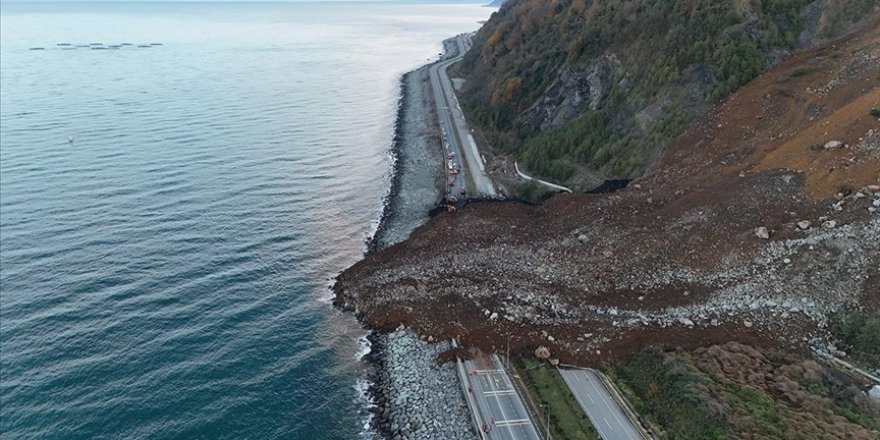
x,y
508,351
546,407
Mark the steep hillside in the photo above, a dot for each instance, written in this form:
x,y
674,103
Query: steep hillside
x,y
733,391
577,88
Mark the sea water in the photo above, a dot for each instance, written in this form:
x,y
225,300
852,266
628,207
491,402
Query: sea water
x,y
170,215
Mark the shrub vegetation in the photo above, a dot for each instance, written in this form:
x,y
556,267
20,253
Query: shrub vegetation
x,y
859,334
676,55
770,395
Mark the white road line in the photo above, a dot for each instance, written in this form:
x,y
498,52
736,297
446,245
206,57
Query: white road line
x,y
445,94
530,431
498,393
577,396
610,409
482,404
471,399
580,402
504,414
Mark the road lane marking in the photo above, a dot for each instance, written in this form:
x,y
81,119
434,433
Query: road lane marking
x,y
503,414
519,407
610,409
498,393
490,410
445,94
578,396
482,406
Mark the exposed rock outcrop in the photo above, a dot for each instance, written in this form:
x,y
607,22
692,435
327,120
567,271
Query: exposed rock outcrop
x,y
573,91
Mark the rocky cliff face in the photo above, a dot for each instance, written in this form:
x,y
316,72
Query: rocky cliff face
x,y
573,91
645,69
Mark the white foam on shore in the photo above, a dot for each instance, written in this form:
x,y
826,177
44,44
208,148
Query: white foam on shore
x,y
327,294
365,347
363,398
365,403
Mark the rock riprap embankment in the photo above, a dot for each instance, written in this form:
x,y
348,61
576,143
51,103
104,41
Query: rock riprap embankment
x,y
416,398
418,182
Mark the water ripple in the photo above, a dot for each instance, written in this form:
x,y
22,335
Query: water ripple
x,y
160,272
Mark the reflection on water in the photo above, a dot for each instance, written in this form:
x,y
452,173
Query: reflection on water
x,y
170,216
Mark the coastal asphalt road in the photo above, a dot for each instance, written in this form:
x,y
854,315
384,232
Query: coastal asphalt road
x,y
449,140
455,130
607,416
498,405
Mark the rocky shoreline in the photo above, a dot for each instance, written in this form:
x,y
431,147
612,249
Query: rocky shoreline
x,y
417,170
413,396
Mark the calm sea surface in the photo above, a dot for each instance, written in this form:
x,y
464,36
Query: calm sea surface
x,y
164,275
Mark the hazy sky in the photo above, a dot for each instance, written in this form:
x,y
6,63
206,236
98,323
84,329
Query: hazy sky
x,y
263,1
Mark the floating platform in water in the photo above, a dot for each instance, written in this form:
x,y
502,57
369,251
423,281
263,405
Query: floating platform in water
x,y
96,44
144,45
155,44
63,44
99,48
38,48
125,44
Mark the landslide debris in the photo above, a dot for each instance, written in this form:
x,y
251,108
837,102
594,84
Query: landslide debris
x,y
680,257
